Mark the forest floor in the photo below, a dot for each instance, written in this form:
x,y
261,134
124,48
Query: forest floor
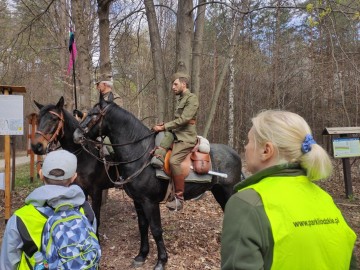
x,y
192,236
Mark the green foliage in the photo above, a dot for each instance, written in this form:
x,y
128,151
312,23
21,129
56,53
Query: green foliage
x,y
312,22
309,8
22,178
356,16
324,13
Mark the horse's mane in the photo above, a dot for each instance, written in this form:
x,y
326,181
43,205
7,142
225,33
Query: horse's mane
x,y
69,119
127,117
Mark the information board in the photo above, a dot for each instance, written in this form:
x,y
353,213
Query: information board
x,y
11,115
346,147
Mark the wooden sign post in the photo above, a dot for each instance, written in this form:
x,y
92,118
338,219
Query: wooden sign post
x,y
8,90
345,147
31,135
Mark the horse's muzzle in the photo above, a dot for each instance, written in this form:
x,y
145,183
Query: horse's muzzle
x,y
78,136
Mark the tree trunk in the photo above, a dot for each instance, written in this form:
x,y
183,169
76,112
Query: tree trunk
x,y
197,49
157,57
104,34
64,55
276,60
220,82
80,11
185,26
231,93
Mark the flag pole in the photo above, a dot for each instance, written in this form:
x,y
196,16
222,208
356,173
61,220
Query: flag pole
x,y
74,78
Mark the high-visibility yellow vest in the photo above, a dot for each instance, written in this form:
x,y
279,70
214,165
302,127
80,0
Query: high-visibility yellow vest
x,y
34,221
309,231
30,224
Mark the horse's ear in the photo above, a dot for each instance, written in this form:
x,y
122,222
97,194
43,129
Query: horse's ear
x,y
38,105
60,103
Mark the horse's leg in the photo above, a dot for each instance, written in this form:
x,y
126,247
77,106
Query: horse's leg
x,y
144,235
152,212
96,206
221,194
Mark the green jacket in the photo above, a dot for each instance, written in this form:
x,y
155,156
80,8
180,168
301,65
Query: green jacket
x,y
183,126
247,239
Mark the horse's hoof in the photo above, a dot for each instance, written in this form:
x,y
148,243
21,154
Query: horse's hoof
x,y
159,266
137,264
138,261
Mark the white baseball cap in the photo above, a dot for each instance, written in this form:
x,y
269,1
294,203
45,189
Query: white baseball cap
x,y
59,159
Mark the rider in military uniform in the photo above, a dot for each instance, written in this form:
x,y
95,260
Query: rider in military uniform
x,y
182,133
104,84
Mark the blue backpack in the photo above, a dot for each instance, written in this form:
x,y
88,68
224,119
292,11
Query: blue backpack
x,y
69,241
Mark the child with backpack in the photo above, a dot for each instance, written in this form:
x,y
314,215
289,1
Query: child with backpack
x,y
56,220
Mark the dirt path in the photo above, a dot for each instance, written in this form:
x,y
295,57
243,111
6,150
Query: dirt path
x,y
18,161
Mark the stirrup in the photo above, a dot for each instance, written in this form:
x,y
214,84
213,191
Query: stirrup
x,y
175,205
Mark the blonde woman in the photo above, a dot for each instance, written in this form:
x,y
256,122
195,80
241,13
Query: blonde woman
x,y
278,218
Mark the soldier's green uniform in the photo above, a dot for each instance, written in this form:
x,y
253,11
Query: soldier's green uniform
x,y
184,138
183,126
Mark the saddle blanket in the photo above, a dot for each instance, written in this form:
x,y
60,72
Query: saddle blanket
x,y
192,177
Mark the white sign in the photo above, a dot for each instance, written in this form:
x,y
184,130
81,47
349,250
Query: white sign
x,y
11,115
2,181
346,147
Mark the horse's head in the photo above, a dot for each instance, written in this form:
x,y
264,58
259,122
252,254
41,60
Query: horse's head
x,y
50,127
92,125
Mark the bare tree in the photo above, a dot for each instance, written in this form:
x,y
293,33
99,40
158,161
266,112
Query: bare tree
x,y
104,34
197,48
184,34
222,76
83,20
157,56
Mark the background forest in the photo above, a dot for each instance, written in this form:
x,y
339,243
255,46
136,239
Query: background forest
x,y
243,56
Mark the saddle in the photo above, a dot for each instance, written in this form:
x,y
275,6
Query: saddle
x,y
195,166
199,162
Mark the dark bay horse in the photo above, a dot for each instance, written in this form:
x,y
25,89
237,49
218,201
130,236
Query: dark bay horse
x,y
57,124
133,142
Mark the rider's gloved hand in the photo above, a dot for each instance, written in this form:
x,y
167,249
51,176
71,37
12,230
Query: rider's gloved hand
x,y
78,113
158,127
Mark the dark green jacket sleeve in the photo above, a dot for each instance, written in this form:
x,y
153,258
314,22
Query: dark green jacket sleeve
x,y
246,241
353,263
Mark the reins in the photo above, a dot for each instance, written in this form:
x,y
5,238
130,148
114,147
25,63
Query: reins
x,y
119,144
106,163
113,163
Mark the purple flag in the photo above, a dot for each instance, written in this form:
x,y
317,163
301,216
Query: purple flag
x,y
72,50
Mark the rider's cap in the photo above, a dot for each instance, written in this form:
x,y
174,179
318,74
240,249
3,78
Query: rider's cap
x,y
59,159
105,77
178,75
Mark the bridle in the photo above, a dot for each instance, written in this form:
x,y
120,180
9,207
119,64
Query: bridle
x,y
58,131
99,116
94,120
